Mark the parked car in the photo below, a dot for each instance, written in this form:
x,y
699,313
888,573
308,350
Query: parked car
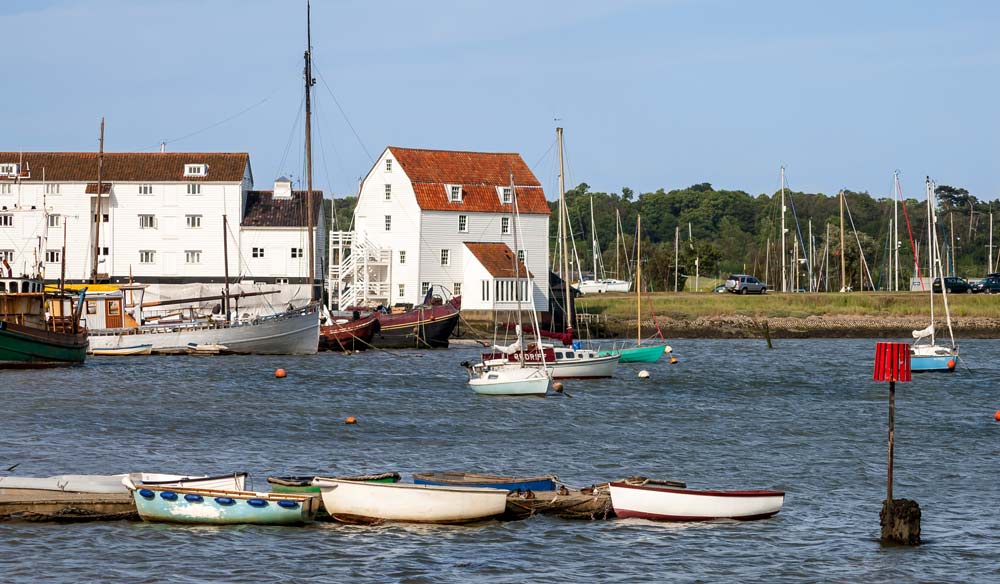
x,y
989,285
953,284
744,284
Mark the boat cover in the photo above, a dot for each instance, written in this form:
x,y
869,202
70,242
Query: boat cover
x,y
924,333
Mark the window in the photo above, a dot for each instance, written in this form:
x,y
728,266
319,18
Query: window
x,y
520,255
52,256
55,220
6,255
145,189
147,221
456,288
8,169
455,193
147,256
91,307
51,189
195,169
388,222
388,192
445,257
103,251
424,287
281,280
504,225
296,252
511,290
402,256
506,195
193,221
6,220
104,218
257,252
388,165
194,189
192,256
402,290
6,189
463,223
486,290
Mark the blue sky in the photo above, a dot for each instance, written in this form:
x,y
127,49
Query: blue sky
x,y
652,94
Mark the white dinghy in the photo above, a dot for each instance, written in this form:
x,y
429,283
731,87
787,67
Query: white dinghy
x,y
669,504
366,503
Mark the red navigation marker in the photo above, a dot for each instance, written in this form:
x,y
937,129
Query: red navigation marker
x,y
892,362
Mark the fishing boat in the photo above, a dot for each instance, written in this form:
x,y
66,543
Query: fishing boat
x,y
925,353
145,349
39,328
368,503
466,479
221,506
640,353
348,334
304,484
663,503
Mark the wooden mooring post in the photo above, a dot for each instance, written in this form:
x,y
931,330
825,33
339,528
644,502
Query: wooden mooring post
x,y
899,518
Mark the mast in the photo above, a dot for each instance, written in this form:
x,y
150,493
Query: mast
x,y
98,215
812,255
944,289
989,255
225,262
843,259
593,236
517,279
677,241
895,230
931,220
564,224
618,223
784,284
638,280
309,176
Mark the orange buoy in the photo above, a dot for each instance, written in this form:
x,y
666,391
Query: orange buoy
x,y
996,416
351,420
951,363
280,373
673,360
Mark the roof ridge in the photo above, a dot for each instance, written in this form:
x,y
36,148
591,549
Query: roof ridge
x,y
451,151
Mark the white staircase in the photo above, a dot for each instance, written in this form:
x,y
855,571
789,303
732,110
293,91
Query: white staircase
x,y
359,271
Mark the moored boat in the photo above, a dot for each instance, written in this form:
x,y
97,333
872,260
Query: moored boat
x,y
304,484
427,326
661,503
589,503
39,329
221,506
342,334
145,349
562,362
467,479
639,354
361,502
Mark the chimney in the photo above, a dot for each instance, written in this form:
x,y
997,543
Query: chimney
x,y
282,188
163,147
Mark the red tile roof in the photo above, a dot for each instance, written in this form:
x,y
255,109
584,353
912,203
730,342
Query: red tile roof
x,y
498,259
127,166
263,210
105,188
479,174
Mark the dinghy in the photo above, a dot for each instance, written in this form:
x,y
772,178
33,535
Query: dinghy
x,y
660,503
368,503
145,349
479,481
221,506
304,484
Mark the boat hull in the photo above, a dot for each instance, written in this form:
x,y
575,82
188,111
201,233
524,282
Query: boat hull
x,y
22,346
479,481
222,507
354,335
146,349
291,333
666,504
592,368
649,354
419,328
512,380
927,358
358,502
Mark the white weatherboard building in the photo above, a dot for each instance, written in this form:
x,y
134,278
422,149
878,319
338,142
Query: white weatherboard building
x,y
161,222
444,220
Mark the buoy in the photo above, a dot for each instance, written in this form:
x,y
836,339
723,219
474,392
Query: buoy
x,y
280,373
673,360
643,374
951,363
557,386
351,420
996,416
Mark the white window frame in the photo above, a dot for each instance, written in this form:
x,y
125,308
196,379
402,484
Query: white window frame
x,y
147,256
463,223
506,195
485,290
193,221
402,256
194,188
6,220
388,165
388,222
145,190
55,220
297,253
521,255
147,221
388,192
454,193
53,256
6,189
456,288
192,256
8,169
402,290
445,257
195,170
257,252
51,188
424,287
505,226
7,254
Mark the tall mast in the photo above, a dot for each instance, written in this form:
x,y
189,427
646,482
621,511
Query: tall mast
x,y
638,280
309,172
843,251
225,262
895,230
989,255
931,240
812,255
677,253
517,276
564,222
784,284
98,214
593,236
618,222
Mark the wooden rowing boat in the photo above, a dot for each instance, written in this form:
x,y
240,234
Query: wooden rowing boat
x,y
368,503
663,503
222,507
305,484
467,479
590,503
145,349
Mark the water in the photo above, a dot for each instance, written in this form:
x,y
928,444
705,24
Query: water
x,y
805,418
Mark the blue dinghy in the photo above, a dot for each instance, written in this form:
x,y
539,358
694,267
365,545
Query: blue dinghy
x,y
222,507
465,479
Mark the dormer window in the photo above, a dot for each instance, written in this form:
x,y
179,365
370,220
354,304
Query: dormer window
x,y
454,193
195,170
8,170
506,195
388,165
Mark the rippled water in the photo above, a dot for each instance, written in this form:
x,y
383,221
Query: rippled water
x,y
804,418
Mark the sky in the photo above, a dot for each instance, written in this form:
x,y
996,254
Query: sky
x,y
652,94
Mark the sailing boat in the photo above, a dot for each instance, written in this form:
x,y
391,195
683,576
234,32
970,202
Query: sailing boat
x,y
925,353
594,285
639,353
497,374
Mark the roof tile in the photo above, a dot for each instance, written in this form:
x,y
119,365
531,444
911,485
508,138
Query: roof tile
x,y
127,166
263,210
498,259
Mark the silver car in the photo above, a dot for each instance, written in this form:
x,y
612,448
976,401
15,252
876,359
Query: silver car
x,y
744,284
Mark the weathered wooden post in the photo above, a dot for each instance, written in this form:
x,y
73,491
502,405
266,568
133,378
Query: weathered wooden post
x,y
900,518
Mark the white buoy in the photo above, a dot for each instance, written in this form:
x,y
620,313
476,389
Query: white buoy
x,y
644,374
